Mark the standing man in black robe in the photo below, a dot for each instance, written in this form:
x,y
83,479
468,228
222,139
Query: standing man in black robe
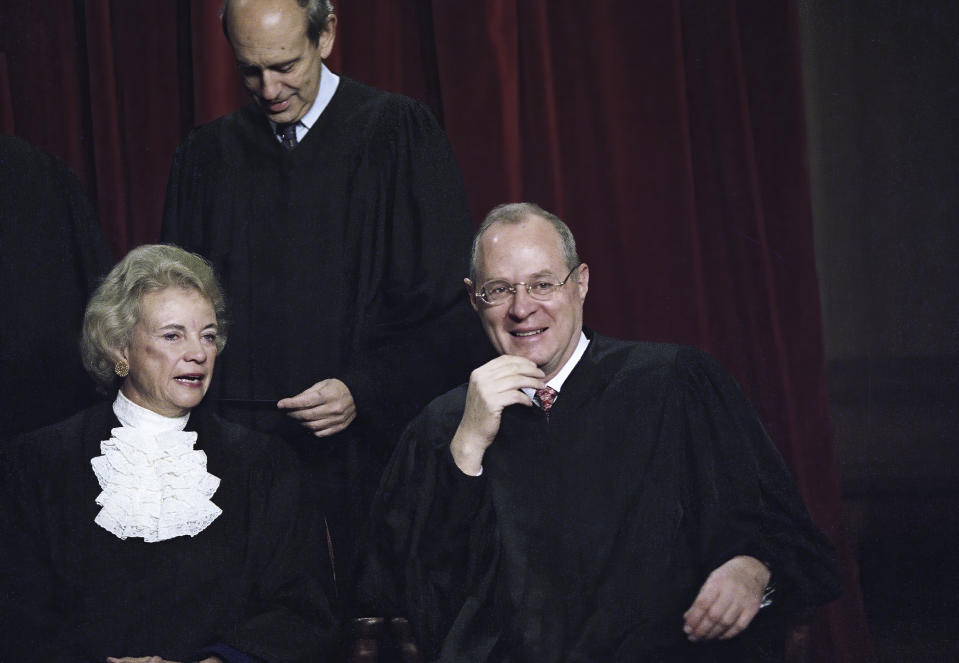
x,y
587,499
336,218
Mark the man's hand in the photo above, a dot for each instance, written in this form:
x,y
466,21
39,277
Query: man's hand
x,y
493,386
325,408
728,600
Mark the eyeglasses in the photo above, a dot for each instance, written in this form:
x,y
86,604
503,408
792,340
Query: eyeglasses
x,y
497,292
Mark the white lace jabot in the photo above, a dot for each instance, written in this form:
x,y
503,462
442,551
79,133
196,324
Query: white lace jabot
x,y
155,484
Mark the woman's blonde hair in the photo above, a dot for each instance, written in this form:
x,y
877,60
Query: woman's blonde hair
x,y
114,308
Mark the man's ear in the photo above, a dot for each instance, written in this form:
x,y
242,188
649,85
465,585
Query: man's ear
x,y
582,282
471,291
327,37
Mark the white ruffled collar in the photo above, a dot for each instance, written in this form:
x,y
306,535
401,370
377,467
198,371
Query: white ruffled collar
x,y
155,484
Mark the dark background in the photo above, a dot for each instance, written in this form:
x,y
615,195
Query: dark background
x,y
882,101
772,181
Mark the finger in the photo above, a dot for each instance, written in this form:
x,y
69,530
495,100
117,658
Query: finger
x,y
334,410
700,628
511,386
511,360
692,619
700,618
703,602
724,611
695,629
519,396
745,619
509,364
721,621
493,401
327,423
531,375
309,398
518,366
732,612
515,378
331,430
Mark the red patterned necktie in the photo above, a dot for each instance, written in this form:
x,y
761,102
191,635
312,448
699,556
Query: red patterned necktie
x,y
287,134
545,398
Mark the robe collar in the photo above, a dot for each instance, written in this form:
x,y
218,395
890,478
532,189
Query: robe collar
x,y
328,84
557,381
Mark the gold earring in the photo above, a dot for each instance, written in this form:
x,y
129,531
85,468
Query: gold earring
x,y
121,368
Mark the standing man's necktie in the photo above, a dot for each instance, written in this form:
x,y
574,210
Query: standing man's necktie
x,y
287,134
545,398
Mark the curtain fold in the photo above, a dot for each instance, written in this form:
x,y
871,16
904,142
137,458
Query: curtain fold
x,y
669,134
478,72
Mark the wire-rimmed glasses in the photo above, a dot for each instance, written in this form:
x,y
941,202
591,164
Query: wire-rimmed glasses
x,y
498,291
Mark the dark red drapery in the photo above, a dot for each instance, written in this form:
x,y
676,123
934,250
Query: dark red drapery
x,y
669,135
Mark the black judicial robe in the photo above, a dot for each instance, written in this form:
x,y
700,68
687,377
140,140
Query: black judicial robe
x,y
71,591
342,258
51,254
587,536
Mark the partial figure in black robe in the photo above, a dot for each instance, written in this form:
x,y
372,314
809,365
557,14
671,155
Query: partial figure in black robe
x,y
589,534
74,592
343,258
51,254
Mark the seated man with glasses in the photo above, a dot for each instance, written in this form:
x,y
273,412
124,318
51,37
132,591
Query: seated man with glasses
x,y
587,499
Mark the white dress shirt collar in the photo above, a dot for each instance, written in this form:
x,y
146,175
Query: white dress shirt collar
x,y
558,379
328,84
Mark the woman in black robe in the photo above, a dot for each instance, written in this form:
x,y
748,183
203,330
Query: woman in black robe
x,y
149,527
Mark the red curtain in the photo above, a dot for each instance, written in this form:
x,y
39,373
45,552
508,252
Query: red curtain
x,y
668,134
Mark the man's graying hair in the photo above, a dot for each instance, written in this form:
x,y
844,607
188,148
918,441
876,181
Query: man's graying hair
x,y
318,13
517,213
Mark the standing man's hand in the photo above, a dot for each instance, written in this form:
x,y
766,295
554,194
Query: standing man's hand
x,y
325,408
493,386
728,600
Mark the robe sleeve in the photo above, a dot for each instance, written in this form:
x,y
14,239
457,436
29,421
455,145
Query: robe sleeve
x,y
736,498
290,615
742,496
433,537
53,253
179,225
29,605
420,336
